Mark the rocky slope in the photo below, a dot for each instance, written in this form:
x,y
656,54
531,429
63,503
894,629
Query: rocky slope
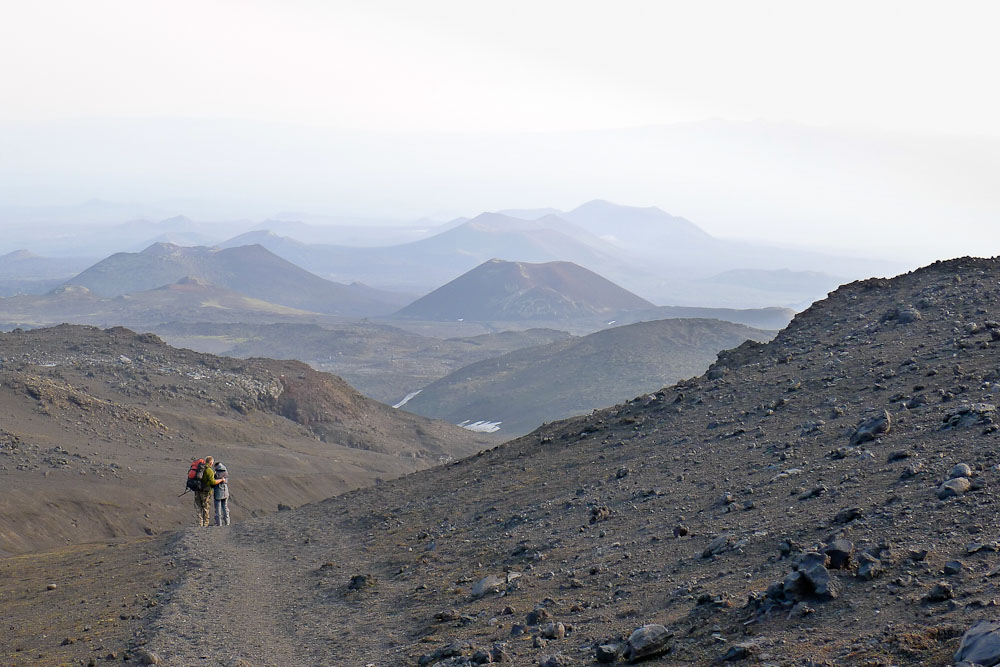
x,y
518,391
789,507
97,429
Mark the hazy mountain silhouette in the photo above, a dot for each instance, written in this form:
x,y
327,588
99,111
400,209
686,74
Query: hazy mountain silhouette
x,y
500,290
644,230
251,270
423,265
24,272
646,250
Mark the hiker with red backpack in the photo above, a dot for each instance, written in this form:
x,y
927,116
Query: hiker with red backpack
x,y
201,480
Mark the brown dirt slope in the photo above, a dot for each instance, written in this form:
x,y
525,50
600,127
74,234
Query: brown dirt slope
x,y
97,429
79,603
690,508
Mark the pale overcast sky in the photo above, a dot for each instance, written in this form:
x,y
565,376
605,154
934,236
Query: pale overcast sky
x,y
512,65
872,125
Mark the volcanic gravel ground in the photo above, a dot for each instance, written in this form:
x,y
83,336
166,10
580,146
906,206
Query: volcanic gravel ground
x,y
690,508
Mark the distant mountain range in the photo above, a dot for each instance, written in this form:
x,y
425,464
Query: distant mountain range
x,y
518,391
661,257
421,266
251,270
499,290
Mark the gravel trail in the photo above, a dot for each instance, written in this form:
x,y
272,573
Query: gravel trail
x,y
232,603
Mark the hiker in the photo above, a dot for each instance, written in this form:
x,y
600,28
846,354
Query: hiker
x,y
202,496
221,493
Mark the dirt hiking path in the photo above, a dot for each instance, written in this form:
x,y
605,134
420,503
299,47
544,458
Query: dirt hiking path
x,y
228,606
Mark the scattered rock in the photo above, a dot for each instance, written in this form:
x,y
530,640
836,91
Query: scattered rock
x,y
954,487
980,644
607,653
488,584
553,631
718,545
872,428
839,553
953,567
447,615
739,651
647,642
814,572
147,657
869,567
970,415
600,513
557,660
538,615
361,581
940,593
903,315
847,515
814,492
960,470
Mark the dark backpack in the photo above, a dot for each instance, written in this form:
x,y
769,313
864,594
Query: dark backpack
x,y
195,475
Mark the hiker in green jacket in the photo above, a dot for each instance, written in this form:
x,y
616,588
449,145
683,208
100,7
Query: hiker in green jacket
x,y
202,499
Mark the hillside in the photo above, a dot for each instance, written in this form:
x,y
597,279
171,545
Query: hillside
x,y
500,290
772,318
102,425
251,270
381,361
787,508
187,300
520,390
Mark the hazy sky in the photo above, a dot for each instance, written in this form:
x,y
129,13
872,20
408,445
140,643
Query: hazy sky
x,y
512,65
854,121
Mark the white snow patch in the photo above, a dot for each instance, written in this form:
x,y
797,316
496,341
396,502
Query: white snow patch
x,y
481,426
408,398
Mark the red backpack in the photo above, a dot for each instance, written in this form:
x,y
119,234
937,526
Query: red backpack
x,y
195,474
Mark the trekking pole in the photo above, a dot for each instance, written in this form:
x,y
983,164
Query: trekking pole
x,y
185,492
